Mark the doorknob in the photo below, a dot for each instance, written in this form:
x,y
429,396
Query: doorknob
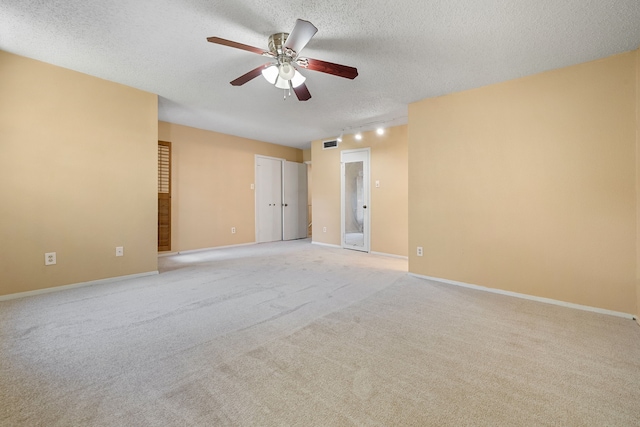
x,y
365,206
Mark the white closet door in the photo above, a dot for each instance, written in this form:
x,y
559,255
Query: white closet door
x,y
295,201
268,199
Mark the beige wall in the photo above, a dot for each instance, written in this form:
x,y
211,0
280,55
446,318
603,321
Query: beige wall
x,y
78,165
389,223
529,185
211,182
306,155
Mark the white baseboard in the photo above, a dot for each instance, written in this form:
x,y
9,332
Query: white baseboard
x,y
164,254
389,255
529,297
329,245
192,251
75,285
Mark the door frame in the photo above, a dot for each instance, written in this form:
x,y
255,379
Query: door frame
x,y
366,180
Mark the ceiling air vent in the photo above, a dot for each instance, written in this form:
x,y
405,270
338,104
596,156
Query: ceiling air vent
x,y
326,145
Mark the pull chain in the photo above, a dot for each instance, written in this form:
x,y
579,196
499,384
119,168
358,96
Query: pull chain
x,y
284,94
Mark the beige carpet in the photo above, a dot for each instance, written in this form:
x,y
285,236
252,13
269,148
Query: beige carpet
x,y
297,334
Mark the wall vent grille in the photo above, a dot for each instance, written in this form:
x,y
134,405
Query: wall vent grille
x,y
327,145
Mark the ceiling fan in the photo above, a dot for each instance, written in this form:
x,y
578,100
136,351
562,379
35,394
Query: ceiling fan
x,y
285,49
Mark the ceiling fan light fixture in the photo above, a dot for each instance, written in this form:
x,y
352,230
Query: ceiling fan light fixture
x,y
270,74
286,71
282,83
297,79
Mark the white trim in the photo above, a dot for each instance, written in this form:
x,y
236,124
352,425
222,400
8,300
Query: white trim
x,y
192,251
529,297
270,157
76,285
356,150
163,254
329,245
389,255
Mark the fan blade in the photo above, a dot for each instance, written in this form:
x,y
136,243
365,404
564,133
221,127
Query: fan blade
x,y
250,75
237,45
302,92
302,32
328,67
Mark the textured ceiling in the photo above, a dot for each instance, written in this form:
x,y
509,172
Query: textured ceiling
x,y
405,51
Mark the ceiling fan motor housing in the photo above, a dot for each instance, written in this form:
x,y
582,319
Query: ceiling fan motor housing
x,y
276,41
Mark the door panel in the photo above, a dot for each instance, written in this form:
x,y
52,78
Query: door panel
x,y
294,212
268,199
164,196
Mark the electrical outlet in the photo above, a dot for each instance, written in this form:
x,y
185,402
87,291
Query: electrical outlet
x,y
50,258
419,251
324,229
377,184
119,251
233,230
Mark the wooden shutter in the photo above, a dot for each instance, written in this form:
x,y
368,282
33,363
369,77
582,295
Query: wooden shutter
x,y
164,196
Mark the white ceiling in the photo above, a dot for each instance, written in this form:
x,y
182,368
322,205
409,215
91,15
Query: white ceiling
x,y
405,51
